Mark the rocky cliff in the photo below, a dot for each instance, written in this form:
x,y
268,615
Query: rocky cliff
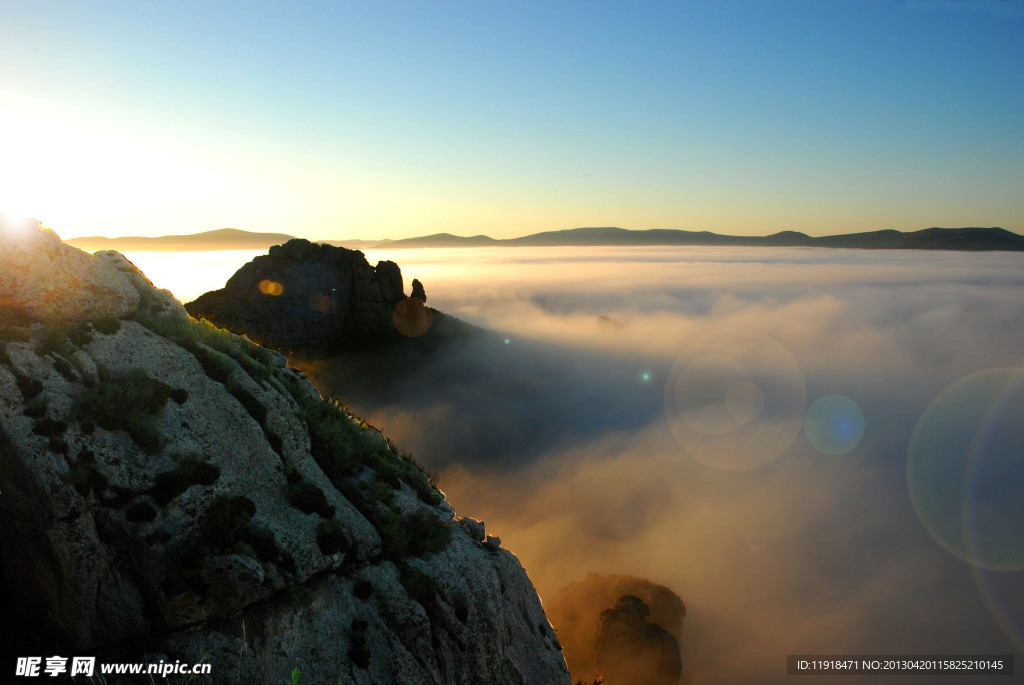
x,y
169,490
304,296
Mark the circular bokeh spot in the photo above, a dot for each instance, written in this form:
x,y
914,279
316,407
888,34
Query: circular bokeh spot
x,y
269,287
412,318
735,399
834,424
965,467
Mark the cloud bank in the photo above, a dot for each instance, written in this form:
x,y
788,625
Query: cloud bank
x,y
562,432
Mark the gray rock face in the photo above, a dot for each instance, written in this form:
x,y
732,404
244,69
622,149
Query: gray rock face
x,y
303,296
170,487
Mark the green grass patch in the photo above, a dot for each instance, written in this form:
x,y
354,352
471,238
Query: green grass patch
x,y
129,402
427,534
217,365
190,471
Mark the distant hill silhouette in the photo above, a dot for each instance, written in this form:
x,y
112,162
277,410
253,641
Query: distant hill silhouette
x,y
221,239
971,238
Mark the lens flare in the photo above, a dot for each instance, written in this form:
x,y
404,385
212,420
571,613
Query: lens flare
x,y
965,467
412,318
735,399
834,424
269,287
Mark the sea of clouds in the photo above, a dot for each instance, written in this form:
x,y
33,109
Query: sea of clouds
x,y
641,411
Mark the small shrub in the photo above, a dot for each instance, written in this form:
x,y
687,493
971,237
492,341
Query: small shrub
x,y
79,335
333,439
65,369
141,512
420,587
331,537
252,405
256,370
227,516
142,428
54,340
167,486
217,365
128,402
275,441
358,652
428,534
36,407
12,316
179,395
29,387
461,608
108,325
308,499
84,477
49,427
243,549
199,471
362,589
379,491
190,471
393,535
266,548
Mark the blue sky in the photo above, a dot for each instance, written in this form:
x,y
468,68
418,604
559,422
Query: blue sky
x,y
392,119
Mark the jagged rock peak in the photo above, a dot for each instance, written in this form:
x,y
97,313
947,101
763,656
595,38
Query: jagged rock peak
x,y
169,487
304,295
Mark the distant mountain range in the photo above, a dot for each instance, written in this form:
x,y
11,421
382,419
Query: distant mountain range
x,y
969,238
221,239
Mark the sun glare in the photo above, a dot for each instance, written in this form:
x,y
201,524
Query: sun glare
x,y
14,227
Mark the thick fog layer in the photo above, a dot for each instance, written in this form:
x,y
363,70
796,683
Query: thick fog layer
x,y
642,411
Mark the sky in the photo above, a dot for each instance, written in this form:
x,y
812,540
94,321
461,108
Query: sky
x,y
372,120
641,411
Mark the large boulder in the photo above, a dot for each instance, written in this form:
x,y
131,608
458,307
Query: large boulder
x,y
308,296
172,488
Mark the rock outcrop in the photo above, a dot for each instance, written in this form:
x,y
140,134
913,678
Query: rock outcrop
x,y
169,490
631,651
308,296
621,629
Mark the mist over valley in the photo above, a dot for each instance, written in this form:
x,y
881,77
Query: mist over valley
x,y
555,427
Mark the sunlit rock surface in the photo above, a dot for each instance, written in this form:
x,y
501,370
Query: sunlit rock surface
x,y
170,488
45,278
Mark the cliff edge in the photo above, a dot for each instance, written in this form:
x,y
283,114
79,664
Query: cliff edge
x,y
171,491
